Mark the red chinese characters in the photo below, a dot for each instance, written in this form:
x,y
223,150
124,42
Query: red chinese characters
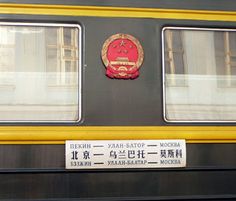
x,y
122,55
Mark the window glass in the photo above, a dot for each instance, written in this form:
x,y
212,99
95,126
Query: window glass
x,y
199,74
174,56
39,78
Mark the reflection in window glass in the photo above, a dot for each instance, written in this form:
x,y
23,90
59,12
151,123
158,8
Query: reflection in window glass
x,y
199,74
174,56
39,72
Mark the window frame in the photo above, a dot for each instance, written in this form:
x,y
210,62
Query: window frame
x,y
79,40
163,72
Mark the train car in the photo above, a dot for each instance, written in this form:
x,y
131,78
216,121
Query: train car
x,y
127,71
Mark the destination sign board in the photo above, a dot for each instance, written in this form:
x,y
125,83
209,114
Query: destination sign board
x,y
97,154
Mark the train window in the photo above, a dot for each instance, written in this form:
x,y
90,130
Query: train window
x,y
40,72
205,60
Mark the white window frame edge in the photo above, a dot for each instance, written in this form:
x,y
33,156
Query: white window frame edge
x,y
163,72
79,69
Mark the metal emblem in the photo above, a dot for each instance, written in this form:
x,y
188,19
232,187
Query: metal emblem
x,y
122,55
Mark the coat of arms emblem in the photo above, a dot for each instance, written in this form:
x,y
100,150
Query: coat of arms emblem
x,y
122,55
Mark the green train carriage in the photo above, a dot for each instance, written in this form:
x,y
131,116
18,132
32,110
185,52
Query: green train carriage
x,y
54,88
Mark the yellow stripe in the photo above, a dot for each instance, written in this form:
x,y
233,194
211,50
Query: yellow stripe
x,y
99,11
31,142
63,142
58,134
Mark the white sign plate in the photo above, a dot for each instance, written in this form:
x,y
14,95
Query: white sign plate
x,y
125,154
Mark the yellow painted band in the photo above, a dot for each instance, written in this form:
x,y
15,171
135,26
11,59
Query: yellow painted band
x,y
63,142
58,134
31,142
101,11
